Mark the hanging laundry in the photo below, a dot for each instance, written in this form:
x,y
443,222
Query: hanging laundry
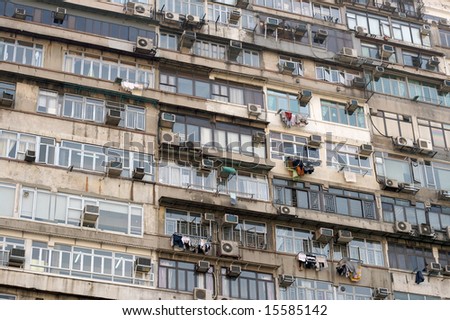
x,y
176,241
419,277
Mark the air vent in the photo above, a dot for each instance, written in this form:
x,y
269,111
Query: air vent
x,y
143,264
229,249
403,227
202,266
324,235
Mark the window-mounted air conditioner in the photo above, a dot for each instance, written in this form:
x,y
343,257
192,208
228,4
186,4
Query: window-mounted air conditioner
x,y
416,61
235,15
143,264
171,17
209,216
243,4
113,117
403,227
259,137
233,271
300,29
187,39
286,210
444,22
202,266
287,67
445,87
444,195
16,257
315,140
434,268
425,30
424,145
145,46
90,215
167,120
304,97
272,23
202,294
380,293
234,50
365,149
254,109
378,72
321,34
138,9
114,169
446,270
207,164
386,51
324,235
6,99
426,230
138,173
433,61
344,236
286,280
30,155
229,249
170,138
229,218
359,82
59,14
362,31
352,106
20,13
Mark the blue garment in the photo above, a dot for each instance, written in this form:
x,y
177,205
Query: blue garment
x,y
419,277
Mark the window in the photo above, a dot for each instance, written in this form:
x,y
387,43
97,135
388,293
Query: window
x,y
185,223
6,244
375,25
284,145
409,258
181,276
402,210
334,75
168,41
209,50
348,292
373,51
413,296
392,124
425,92
445,38
304,7
298,65
369,252
249,58
335,112
4,296
194,7
203,87
409,33
125,1
107,70
48,102
82,262
7,89
21,52
78,107
292,240
438,133
388,84
347,157
41,205
284,101
7,196
444,257
249,234
303,289
418,61
248,286
397,168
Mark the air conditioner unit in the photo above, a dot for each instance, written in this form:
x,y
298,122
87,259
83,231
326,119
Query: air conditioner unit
x,y
30,155
90,215
202,294
287,67
144,46
207,165
191,145
347,54
403,227
365,149
202,266
434,268
171,17
223,298
59,14
387,5
187,39
378,72
444,22
300,30
286,210
446,270
434,61
272,23
304,97
242,4
380,293
359,82
138,9
424,145
344,236
403,142
254,109
16,257
167,120
259,137
402,15
170,138
114,169
410,188
229,218
143,264
426,230
386,51
425,30
391,184
192,20
361,30
208,216
352,106
321,34
234,49
286,280
235,15
229,249
315,140
233,271
113,117
445,87
20,13
324,235
416,62
138,173
6,99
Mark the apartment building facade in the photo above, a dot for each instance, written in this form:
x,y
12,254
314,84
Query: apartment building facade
x,y
227,149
